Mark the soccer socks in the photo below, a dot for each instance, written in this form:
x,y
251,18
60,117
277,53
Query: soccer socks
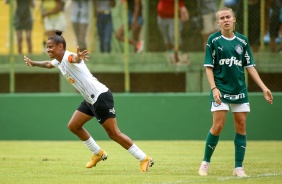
x,y
136,152
240,143
211,142
92,145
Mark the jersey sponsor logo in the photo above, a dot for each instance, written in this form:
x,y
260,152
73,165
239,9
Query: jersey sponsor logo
x,y
239,49
230,61
217,38
69,78
242,41
220,48
112,111
248,58
234,97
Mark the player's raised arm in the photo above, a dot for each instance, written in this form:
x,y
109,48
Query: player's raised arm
x,y
42,64
84,55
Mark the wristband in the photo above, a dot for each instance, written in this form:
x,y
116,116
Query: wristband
x,y
213,88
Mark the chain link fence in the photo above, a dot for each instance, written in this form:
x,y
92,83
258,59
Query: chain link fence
x,y
153,70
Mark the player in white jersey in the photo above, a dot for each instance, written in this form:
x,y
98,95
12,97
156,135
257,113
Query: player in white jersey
x,y
98,101
227,56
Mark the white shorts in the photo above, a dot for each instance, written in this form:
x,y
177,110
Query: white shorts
x,y
55,23
244,107
209,24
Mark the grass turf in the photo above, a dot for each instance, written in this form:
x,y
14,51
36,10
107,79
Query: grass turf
x,y
175,162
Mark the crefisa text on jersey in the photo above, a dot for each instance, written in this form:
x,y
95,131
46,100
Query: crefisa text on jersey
x,y
230,62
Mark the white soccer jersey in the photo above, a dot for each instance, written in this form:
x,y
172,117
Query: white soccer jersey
x,y
80,77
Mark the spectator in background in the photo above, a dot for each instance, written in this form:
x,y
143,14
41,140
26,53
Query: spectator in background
x,y
207,10
135,22
273,10
53,17
104,22
166,20
254,17
23,21
80,21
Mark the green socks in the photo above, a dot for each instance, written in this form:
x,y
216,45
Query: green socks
x,y
240,143
211,143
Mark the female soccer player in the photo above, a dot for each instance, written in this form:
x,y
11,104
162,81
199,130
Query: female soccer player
x,y
227,55
98,101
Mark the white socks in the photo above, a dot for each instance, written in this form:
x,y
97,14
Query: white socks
x,y
136,152
92,145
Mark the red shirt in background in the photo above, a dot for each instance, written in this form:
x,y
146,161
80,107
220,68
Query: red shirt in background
x,y
166,8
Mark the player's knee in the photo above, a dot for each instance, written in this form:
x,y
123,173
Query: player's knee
x,y
217,128
73,128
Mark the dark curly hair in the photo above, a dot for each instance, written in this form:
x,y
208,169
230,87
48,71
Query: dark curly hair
x,y
57,38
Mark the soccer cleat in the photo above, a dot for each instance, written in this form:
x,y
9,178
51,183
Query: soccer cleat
x,y
102,155
239,172
204,168
146,163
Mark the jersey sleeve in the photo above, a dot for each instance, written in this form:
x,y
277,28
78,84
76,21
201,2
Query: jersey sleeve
x,y
248,60
54,62
210,53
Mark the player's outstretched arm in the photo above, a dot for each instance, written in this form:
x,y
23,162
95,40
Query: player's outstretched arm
x,y
42,64
266,92
80,55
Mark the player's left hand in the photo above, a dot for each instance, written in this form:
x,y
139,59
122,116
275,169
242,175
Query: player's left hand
x,y
268,96
84,55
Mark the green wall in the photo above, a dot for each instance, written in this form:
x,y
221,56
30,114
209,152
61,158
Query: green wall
x,y
160,116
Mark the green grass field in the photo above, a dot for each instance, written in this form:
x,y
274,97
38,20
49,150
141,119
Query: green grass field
x,y
175,162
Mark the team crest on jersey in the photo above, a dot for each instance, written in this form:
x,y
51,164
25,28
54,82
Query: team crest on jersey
x,y
239,49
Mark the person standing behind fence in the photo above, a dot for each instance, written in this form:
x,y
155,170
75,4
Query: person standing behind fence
x,y
273,13
80,21
23,21
227,57
165,9
53,17
135,23
104,23
207,10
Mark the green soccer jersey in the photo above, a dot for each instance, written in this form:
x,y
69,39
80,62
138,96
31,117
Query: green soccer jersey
x,y
228,57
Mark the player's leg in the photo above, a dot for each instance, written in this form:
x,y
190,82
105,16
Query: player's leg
x,y
219,116
105,114
75,125
81,36
20,40
240,138
29,41
110,126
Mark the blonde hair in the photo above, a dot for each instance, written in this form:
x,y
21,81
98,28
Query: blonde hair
x,y
225,9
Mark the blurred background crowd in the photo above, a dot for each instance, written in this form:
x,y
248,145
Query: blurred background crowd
x,y
97,25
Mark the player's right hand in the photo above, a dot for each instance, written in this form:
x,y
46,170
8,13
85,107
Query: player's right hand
x,y
28,61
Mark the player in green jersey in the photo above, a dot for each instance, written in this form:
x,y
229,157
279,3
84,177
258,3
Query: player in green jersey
x,y
227,56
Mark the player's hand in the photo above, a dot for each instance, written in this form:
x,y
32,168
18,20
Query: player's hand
x,y
217,96
84,55
28,61
268,96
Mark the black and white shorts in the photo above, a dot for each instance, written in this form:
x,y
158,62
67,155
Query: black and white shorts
x,y
102,109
